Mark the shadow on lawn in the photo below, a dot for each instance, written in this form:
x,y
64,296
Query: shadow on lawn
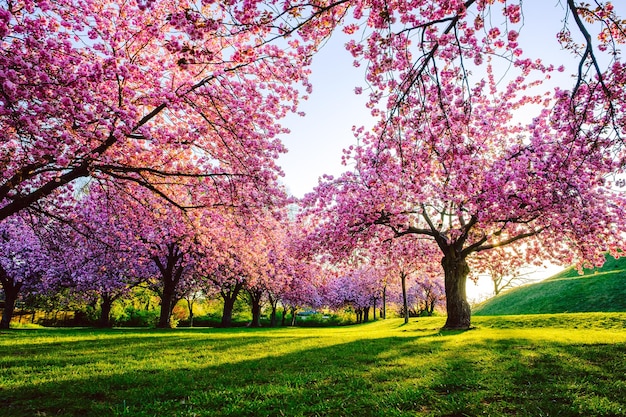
x,y
429,375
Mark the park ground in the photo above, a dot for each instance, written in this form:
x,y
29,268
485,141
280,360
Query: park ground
x,y
534,365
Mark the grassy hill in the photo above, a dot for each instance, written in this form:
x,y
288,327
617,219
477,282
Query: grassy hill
x,y
597,290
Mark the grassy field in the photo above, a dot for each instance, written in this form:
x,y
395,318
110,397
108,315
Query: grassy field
x,y
602,289
548,365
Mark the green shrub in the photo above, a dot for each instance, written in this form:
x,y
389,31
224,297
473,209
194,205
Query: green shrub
x,y
133,317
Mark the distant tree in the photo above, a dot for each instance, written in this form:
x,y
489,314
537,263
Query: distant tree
x,y
504,266
22,263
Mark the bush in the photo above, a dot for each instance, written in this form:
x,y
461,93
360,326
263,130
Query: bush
x,y
324,320
133,317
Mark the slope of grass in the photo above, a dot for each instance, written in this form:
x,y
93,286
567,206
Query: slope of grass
x,y
565,365
597,290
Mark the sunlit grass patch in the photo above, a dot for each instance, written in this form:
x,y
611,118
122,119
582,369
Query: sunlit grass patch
x,y
518,365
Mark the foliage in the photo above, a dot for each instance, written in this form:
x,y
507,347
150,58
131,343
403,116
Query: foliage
x,y
516,365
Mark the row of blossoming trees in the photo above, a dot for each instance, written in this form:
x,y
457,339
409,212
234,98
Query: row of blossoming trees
x,y
118,238
140,141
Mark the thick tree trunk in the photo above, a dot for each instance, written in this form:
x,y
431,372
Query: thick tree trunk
x,y
105,311
171,274
256,314
255,304
459,312
167,303
11,290
366,314
227,311
405,300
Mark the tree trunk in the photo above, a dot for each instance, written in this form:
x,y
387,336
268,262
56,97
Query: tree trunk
x,y
273,316
273,320
255,304
405,300
11,290
190,309
459,312
227,312
384,313
366,314
293,316
374,311
105,311
167,300
171,274
256,314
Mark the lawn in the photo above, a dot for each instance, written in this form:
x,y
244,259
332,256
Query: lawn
x,y
543,365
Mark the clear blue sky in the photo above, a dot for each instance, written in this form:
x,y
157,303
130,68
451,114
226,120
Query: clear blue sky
x,y
317,140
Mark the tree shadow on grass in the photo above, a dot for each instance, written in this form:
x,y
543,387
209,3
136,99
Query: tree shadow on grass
x,y
414,375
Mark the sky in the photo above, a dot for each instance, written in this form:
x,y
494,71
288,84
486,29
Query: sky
x,y
316,141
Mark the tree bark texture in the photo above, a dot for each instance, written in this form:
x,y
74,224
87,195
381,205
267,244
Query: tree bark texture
x,y
405,300
105,311
458,309
229,296
171,274
11,290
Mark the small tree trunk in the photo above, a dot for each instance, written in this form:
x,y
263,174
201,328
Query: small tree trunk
x,y
105,311
293,316
384,313
405,300
255,304
366,314
171,274
227,311
459,312
284,319
190,302
11,290
167,300
274,304
273,316
256,314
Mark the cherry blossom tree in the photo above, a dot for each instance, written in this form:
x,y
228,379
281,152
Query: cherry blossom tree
x,y
123,90
120,89
472,179
355,287
23,262
427,294
504,266
229,283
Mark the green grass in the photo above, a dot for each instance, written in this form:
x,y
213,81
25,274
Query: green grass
x,y
597,290
549,365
